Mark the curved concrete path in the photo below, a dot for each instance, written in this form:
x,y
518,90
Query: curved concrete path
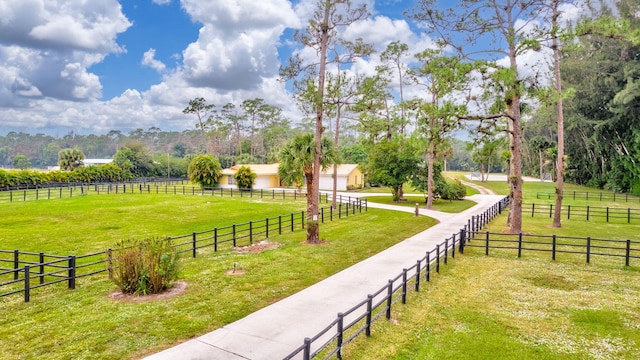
x,y
277,330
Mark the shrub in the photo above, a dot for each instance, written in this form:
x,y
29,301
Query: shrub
x,y
450,190
245,178
145,267
205,170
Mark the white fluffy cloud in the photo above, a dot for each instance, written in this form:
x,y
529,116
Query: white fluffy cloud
x,y
148,59
46,48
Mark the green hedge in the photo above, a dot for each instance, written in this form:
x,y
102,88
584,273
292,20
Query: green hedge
x,y
88,174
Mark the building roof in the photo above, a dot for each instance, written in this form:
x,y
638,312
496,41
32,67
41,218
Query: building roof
x,y
259,169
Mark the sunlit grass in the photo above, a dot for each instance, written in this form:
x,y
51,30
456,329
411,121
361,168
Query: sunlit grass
x,y
85,323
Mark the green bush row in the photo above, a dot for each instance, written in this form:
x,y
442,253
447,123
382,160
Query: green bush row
x,y
30,178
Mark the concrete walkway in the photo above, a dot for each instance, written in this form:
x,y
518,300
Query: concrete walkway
x,y
277,330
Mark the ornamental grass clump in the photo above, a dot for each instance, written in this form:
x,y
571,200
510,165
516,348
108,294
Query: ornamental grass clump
x,y
145,267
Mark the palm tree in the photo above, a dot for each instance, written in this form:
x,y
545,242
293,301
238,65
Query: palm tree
x,y
69,159
296,165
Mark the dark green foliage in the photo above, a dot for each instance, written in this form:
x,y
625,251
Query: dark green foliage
x,y
145,267
89,174
205,170
70,159
450,190
245,178
135,157
391,163
447,190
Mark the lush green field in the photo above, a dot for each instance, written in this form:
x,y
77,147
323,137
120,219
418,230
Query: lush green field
x,y
86,324
92,223
502,307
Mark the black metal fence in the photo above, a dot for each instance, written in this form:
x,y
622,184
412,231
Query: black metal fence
x,y
21,272
179,187
609,214
587,247
591,196
359,319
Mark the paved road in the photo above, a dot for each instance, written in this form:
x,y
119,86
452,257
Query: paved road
x,y
275,331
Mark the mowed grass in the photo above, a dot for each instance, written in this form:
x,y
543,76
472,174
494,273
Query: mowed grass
x,y
504,307
93,223
86,324
500,307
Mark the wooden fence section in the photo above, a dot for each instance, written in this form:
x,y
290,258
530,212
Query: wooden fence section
x,y
175,188
609,214
587,247
348,325
21,272
591,196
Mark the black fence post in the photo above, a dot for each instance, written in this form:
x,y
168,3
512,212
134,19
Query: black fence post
x,y
193,244
389,298
16,263
302,218
553,247
462,240
607,213
250,232
367,330
234,234
266,230
519,244
418,275
72,272
404,286
279,224
322,215
588,249
446,250
292,222
486,246
215,239
427,272
307,349
340,335
27,283
627,254
438,258
453,246
42,268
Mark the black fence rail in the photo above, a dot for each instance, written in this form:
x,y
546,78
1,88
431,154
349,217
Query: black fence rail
x,y
609,214
358,320
591,196
21,272
176,188
587,247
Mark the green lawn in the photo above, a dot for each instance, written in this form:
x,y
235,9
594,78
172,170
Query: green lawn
x,y
500,307
86,324
81,225
504,307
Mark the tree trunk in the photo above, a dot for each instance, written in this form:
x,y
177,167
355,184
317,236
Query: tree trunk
x,y
335,166
430,182
560,160
313,195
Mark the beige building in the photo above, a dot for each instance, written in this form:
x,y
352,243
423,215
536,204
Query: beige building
x,y
349,175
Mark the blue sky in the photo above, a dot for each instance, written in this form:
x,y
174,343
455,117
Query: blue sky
x,y
96,66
